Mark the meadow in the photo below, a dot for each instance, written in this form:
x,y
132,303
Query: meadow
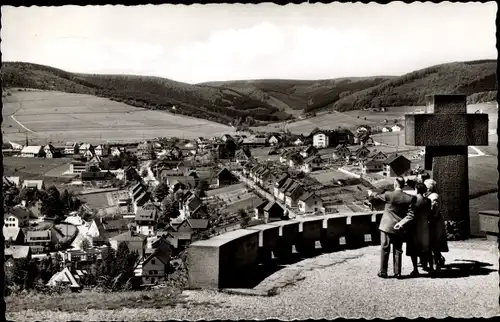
x,y
59,117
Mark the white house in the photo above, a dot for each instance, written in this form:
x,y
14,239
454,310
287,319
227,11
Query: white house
x,y
311,163
273,140
386,129
71,148
396,128
309,202
321,140
33,151
153,268
17,217
101,150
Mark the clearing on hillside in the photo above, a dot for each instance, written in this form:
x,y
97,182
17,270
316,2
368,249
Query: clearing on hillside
x,y
58,117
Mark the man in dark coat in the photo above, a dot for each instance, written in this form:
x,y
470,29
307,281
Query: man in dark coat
x,y
398,212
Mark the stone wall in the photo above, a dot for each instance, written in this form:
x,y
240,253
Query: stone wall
x,y
221,261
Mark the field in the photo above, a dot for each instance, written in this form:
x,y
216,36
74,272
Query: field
x,y
61,117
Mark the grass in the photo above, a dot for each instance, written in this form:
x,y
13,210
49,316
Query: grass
x,y
34,166
87,300
62,117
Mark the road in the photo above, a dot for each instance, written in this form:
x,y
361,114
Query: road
x,y
264,193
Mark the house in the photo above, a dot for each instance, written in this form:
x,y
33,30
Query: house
x,y
87,154
190,205
295,160
273,212
153,268
344,136
34,184
140,194
396,165
309,202
49,151
360,153
102,150
17,217
94,161
225,178
341,152
377,156
71,148
116,151
145,151
145,219
309,151
65,277
40,241
101,229
311,163
273,139
184,182
135,242
259,209
279,183
97,176
84,147
190,225
298,141
14,235
369,141
242,156
33,151
17,252
321,140
386,129
261,174
363,129
372,166
396,128
284,187
76,166
293,193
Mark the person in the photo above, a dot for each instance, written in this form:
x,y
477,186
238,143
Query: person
x,y
437,228
397,213
423,176
417,245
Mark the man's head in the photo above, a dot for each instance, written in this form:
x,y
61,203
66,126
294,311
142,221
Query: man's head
x,y
421,188
399,183
424,176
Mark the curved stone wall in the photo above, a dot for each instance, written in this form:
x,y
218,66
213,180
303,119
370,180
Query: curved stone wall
x,y
221,261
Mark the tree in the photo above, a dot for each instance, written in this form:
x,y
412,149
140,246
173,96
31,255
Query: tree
x,y
51,204
244,217
144,173
202,188
169,211
85,244
161,191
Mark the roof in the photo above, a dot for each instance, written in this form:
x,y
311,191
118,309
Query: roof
x,y
64,276
17,251
32,149
181,235
287,184
393,158
292,188
198,223
262,205
18,211
128,236
271,205
144,214
374,162
282,179
312,158
101,175
38,233
159,254
11,232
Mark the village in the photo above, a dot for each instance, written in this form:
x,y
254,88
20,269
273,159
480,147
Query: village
x,y
156,197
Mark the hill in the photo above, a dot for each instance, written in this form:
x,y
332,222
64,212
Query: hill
x,y
211,103
302,95
411,89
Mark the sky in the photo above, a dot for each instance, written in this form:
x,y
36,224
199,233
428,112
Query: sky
x,y
201,43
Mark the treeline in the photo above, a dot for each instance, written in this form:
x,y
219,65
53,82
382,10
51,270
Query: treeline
x,y
482,97
412,89
146,92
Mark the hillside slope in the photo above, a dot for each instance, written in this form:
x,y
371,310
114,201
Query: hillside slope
x,y
411,89
306,95
216,104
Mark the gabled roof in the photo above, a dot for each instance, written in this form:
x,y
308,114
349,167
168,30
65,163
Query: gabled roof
x,y
18,211
282,179
144,214
101,175
262,205
128,236
287,184
292,188
271,205
11,232
374,163
310,148
198,223
32,149
64,276
393,158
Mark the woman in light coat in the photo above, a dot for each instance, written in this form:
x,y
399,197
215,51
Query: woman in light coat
x,y
437,228
418,242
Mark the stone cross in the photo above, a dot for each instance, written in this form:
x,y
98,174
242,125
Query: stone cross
x,y
446,135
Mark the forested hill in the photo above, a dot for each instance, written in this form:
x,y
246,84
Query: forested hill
x,y
216,104
266,100
477,79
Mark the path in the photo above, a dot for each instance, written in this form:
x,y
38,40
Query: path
x,y
264,193
342,284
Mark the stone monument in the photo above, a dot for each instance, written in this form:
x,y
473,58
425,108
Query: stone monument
x,y
446,135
